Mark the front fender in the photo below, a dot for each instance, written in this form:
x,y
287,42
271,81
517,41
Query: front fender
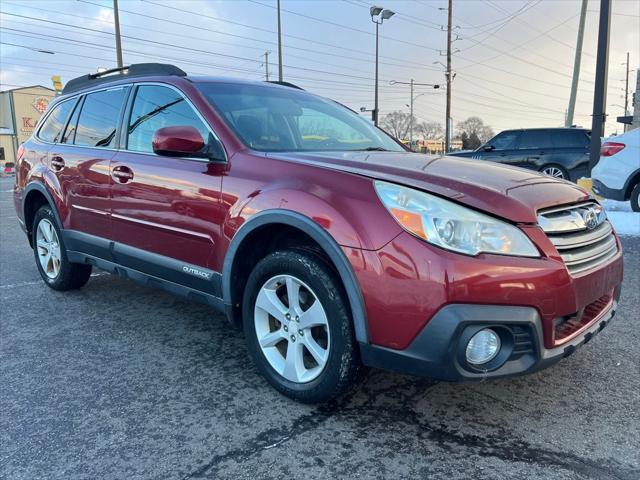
x,y
348,209
322,238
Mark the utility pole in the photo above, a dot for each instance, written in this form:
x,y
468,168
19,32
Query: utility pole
x,y
116,19
375,102
280,77
266,66
411,119
447,140
626,88
576,66
599,115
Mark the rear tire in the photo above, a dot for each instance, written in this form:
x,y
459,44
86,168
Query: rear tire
x,y
555,171
298,327
51,255
635,198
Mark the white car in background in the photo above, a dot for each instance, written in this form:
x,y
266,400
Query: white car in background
x,y
617,174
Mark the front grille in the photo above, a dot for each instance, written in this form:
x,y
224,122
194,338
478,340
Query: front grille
x,y
567,326
582,242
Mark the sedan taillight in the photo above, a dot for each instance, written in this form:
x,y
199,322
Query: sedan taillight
x,y
610,148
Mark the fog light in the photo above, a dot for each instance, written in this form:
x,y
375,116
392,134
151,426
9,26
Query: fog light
x,y
483,347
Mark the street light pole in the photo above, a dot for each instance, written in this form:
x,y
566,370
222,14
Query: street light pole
x,y
413,83
116,20
378,15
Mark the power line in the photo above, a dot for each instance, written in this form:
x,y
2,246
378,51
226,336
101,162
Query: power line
x,y
144,40
528,25
190,49
366,32
198,14
243,37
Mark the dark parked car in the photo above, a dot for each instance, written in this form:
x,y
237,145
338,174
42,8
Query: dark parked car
x,y
318,234
558,152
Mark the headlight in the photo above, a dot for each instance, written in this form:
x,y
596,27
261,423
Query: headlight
x,y
451,226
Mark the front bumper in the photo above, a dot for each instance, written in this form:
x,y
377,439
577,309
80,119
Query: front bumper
x,y
613,193
438,350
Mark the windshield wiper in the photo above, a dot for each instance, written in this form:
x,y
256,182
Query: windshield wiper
x,y
370,149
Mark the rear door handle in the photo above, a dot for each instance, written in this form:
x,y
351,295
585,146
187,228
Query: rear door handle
x,y
57,163
122,174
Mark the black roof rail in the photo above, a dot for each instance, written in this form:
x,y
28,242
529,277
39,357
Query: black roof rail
x,y
135,70
285,84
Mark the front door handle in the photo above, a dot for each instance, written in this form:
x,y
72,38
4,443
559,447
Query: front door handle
x,y
57,163
122,174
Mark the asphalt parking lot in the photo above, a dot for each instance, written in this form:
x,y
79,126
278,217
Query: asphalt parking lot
x,y
119,381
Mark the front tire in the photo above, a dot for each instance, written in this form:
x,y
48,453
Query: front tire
x,y
51,254
635,198
298,327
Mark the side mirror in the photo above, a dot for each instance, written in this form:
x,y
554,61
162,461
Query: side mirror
x,y
186,141
488,148
177,141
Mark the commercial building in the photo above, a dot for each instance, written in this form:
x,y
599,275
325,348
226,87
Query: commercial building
x,y
20,110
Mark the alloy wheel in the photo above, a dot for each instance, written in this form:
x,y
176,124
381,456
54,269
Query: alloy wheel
x,y
292,328
553,172
48,246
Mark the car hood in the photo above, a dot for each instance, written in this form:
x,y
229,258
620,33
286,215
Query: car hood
x,y
508,192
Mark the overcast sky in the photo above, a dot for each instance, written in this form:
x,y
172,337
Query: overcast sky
x,y
513,59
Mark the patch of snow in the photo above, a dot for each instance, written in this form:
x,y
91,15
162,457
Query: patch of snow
x,y
625,223
615,206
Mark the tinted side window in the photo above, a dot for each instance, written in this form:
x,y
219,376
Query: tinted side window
x,y
504,141
156,107
535,139
70,132
99,118
570,139
52,127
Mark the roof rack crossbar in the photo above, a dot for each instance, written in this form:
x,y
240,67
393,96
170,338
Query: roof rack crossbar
x,y
135,70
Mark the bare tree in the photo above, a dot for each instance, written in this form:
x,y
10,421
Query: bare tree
x,y
431,130
475,125
397,124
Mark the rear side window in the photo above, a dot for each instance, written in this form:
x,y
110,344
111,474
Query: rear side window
x,y
51,129
70,132
99,118
532,139
157,107
570,139
504,141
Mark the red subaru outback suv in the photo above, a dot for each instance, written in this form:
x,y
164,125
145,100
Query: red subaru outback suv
x,y
330,244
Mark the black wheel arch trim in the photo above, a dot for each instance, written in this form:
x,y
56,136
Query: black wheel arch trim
x,y
326,242
43,190
631,182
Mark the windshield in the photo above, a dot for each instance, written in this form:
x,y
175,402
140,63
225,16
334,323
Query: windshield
x,y
273,119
